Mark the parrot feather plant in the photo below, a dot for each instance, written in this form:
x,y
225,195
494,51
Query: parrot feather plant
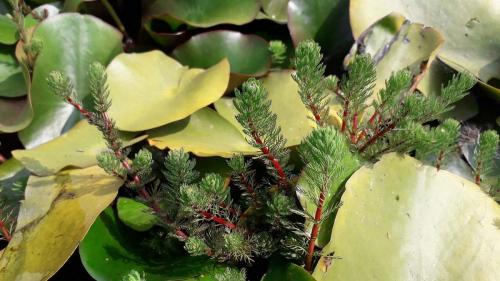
x,y
257,214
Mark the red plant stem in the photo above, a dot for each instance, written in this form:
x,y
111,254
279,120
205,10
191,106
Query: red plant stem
x,y
439,160
372,118
377,136
315,112
79,107
315,231
477,177
219,220
2,159
5,231
354,127
344,115
418,77
274,161
361,136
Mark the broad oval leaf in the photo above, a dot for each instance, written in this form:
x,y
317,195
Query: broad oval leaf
x,y
78,147
11,76
202,13
8,30
282,271
71,42
111,250
276,10
151,89
247,54
401,220
55,215
470,29
135,214
204,133
15,114
325,21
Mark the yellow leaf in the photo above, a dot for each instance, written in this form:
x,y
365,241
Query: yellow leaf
x,y
151,89
54,217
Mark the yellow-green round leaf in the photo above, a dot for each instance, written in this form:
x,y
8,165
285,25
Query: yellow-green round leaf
x,y
151,89
204,133
54,217
135,215
78,147
401,220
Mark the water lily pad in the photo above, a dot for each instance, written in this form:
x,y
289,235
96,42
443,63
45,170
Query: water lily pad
x,y
71,42
8,33
57,210
204,133
247,54
203,13
470,29
76,148
11,77
282,271
15,114
325,21
111,250
397,44
135,214
401,220
276,10
162,90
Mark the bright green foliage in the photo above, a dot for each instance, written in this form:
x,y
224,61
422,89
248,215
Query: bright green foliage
x,y
278,52
309,77
179,169
231,274
259,124
328,162
196,246
485,153
134,275
108,162
143,165
440,141
357,86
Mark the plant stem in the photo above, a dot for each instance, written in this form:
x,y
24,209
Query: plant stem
x,y
377,136
209,216
477,176
115,17
5,231
270,156
439,160
344,115
315,231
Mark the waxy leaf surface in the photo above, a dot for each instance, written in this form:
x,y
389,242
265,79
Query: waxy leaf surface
x,y
401,220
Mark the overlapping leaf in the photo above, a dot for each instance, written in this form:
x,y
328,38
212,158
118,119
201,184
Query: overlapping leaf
x,y
76,148
71,42
401,220
55,215
151,89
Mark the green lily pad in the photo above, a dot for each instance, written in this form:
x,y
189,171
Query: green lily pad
x,y
201,13
57,210
135,214
13,179
78,147
162,90
8,30
282,271
293,117
15,114
247,54
111,250
401,220
397,44
204,133
470,29
325,21
71,42
276,10
11,76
